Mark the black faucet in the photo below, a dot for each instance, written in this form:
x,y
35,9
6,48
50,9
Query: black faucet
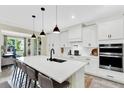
x,y
52,50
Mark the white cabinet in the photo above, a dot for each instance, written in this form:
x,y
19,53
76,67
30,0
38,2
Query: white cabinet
x,y
92,66
111,29
64,39
75,33
93,69
53,41
90,36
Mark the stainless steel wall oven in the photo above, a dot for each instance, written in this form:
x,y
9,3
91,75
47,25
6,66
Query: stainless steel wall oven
x,y
111,57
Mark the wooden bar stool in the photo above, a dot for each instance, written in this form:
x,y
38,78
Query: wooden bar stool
x,y
19,73
14,72
46,82
32,75
24,75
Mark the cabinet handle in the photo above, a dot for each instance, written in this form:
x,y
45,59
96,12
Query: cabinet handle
x,y
110,36
89,44
87,59
110,76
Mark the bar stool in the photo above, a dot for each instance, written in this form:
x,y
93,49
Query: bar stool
x,y
19,73
46,82
24,73
32,75
14,72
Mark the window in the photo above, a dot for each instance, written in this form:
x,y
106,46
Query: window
x,y
17,43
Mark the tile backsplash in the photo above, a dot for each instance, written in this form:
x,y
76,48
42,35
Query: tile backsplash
x,y
83,51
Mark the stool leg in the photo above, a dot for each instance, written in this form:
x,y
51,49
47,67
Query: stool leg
x,y
18,77
20,85
26,80
14,72
29,83
15,77
35,82
22,80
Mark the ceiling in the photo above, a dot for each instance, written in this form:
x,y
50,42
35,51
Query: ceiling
x,y
20,15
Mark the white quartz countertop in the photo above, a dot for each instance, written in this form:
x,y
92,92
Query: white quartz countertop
x,y
57,71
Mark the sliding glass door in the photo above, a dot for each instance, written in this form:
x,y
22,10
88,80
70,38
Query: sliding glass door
x,y
17,43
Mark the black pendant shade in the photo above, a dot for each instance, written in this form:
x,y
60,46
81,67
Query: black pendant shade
x,y
42,33
56,29
33,36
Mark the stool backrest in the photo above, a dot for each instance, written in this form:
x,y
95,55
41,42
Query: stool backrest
x,y
18,64
24,68
44,81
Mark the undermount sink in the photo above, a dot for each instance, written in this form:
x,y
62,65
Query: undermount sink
x,y
57,60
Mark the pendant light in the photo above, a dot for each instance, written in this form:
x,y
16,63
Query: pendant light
x,y
56,29
33,35
42,33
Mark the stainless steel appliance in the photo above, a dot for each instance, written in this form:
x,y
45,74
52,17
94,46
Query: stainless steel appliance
x,y
111,57
76,52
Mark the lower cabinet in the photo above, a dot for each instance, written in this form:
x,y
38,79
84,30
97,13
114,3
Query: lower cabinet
x,y
93,69
92,65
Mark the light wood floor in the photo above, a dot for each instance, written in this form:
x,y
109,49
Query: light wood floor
x,y
90,81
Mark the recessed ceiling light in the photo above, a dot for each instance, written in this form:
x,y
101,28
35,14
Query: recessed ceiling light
x,y
73,17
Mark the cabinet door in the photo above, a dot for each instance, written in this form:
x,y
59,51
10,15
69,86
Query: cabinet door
x,y
116,29
103,31
92,66
90,36
64,39
75,33
53,41
111,29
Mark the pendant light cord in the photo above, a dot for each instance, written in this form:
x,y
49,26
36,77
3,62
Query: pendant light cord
x,y
56,15
42,20
33,24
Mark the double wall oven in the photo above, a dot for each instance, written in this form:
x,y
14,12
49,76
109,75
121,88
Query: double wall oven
x,y
111,56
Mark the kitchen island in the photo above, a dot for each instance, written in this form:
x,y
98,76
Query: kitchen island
x,y
70,70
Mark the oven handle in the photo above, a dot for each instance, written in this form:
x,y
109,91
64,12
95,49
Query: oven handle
x,y
111,47
111,56
115,54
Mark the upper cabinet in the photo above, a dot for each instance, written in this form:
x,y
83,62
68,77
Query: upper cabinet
x,y
75,33
90,36
64,39
53,41
111,29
